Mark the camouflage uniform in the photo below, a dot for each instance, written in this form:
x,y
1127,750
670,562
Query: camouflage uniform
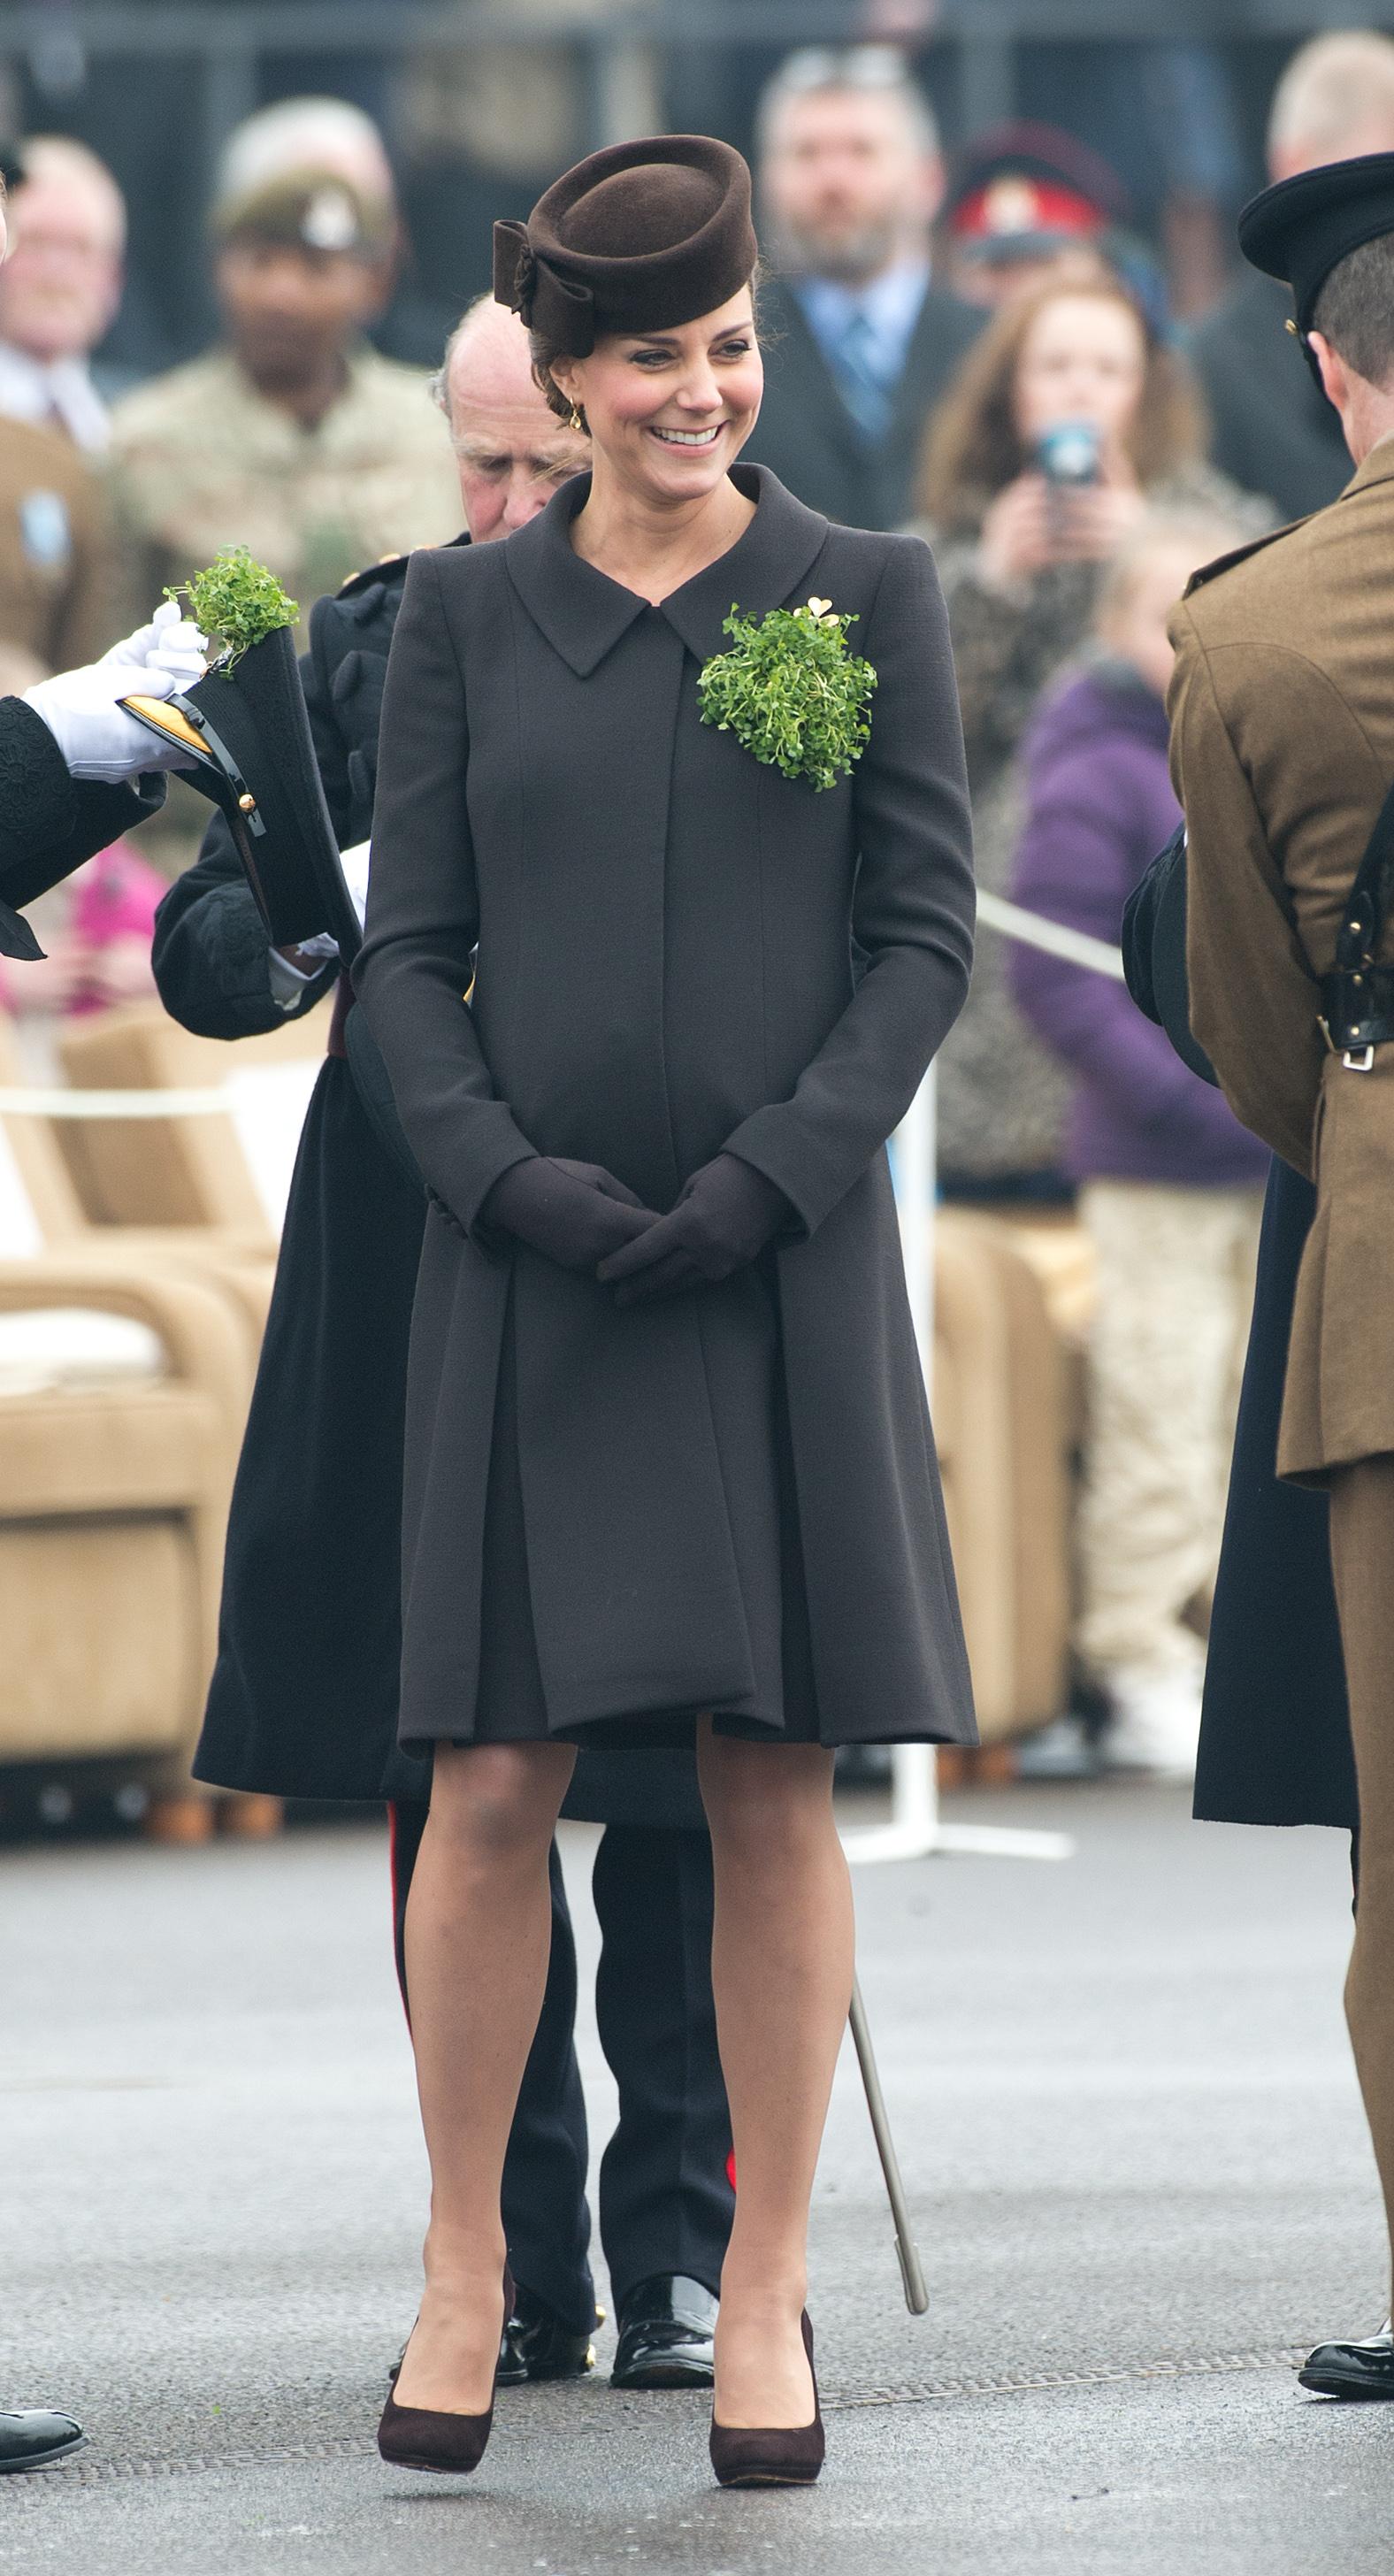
x,y
200,459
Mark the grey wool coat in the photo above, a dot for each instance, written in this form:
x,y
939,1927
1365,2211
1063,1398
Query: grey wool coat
x,y
665,931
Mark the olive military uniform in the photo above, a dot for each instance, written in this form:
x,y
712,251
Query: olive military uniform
x,y
57,587
1283,753
201,459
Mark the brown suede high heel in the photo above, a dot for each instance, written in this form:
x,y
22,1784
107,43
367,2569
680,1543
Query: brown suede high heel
x,y
426,2437
788,2455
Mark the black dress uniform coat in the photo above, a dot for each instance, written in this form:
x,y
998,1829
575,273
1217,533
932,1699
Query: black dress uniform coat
x,y
1272,429
304,1695
320,1481
665,970
51,822
806,434
1275,1743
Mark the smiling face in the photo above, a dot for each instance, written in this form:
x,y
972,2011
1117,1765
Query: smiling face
x,y
1084,358
670,413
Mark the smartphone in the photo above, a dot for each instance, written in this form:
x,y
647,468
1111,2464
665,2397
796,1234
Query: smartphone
x,y
1070,455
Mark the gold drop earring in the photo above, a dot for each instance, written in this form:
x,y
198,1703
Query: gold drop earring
x,y
577,421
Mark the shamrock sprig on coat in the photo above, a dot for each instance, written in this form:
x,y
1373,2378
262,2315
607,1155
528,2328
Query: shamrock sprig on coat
x,y
791,692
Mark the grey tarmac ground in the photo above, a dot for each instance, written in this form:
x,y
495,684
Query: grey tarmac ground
x,y
1129,2127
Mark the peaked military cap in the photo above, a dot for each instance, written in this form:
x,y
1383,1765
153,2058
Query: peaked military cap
x,y
1302,228
309,209
249,732
1026,186
640,237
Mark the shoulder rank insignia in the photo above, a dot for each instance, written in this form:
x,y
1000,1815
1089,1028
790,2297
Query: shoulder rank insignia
x,y
380,571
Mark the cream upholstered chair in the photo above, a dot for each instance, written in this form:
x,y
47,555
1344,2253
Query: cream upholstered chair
x,y
122,1397
184,1172
228,1270
46,1170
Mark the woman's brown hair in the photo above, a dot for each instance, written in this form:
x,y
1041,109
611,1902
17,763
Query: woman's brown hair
x,y
972,449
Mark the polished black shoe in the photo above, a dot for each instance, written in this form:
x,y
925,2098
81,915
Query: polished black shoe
x,y
538,2344
666,2328
1352,2369
34,2438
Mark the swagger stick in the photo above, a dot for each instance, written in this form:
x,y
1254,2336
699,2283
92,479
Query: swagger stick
x,y
907,2251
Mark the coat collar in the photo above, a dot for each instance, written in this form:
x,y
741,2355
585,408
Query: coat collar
x,y
584,614
1377,468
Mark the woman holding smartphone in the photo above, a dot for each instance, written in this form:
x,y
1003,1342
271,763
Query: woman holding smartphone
x,y
1069,417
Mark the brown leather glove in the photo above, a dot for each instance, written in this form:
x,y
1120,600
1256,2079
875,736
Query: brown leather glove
x,y
572,1213
726,1215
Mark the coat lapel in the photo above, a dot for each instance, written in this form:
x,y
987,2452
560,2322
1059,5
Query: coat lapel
x,y
584,614
767,564
795,357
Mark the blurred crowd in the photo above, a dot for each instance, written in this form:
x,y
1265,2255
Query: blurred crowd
x,y
1033,352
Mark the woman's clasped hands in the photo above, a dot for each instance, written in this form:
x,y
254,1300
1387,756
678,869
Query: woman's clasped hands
x,y
581,1217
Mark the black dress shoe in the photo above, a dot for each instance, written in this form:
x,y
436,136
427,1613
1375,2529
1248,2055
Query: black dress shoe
x,y
536,2345
1352,2369
35,2439
666,2328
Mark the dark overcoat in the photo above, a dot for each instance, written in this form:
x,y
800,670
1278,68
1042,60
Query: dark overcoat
x,y
1275,1743
806,434
303,1700
50,822
665,929
1272,429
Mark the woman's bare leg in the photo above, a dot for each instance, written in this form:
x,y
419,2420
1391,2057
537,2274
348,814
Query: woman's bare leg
x,y
478,1933
782,1975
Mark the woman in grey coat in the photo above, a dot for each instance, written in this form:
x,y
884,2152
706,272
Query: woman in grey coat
x,y
669,1467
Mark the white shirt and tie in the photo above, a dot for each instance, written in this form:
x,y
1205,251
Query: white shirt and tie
x,y
864,332
54,393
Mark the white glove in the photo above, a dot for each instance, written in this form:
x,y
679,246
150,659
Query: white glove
x,y
95,735
171,642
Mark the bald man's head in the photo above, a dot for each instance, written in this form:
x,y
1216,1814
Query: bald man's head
x,y
510,449
1335,102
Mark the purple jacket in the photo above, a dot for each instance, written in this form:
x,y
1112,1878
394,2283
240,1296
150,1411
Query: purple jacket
x,y
1099,806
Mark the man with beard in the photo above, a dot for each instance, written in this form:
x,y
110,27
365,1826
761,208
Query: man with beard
x,y
304,1696
859,343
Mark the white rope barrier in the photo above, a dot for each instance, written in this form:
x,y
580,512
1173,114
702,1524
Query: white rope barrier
x,y
1035,931
1031,928
208,1103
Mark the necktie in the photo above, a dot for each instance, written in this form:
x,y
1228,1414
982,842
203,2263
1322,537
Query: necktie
x,y
859,366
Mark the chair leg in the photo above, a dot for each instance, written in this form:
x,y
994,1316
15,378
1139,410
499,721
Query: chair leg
x,y
251,1818
186,1818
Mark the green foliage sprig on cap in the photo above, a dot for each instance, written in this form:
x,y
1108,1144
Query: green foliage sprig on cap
x,y
790,691
237,599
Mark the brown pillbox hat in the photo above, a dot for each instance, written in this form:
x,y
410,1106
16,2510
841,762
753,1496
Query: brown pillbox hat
x,y
641,237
